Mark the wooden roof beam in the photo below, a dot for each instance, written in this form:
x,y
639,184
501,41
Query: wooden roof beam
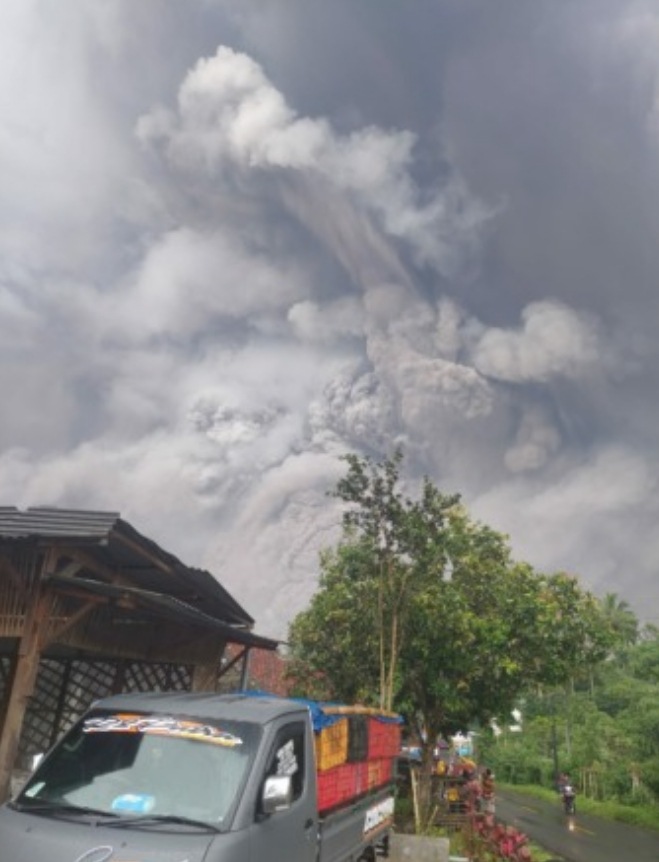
x,y
141,551
73,620
87,561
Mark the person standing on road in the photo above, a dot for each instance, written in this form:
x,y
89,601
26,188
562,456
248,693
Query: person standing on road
x,y
487,791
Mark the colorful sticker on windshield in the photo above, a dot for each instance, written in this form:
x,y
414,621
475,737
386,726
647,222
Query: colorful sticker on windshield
x,y
161,725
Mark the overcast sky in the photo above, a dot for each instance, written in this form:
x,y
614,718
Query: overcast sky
x,y
240,239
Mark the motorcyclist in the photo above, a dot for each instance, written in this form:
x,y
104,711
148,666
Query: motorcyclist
x,y
568,795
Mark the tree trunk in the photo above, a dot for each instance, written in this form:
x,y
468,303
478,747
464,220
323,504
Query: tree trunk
x,y
425,804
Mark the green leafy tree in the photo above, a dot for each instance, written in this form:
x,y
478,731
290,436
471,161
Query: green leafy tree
x,y
404,538
609,742
421,609
623,624
327,661
643,660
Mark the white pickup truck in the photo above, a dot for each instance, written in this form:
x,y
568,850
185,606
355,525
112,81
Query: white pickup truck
x,y
198,778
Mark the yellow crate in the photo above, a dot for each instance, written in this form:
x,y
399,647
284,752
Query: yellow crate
x,y
332,745
379,771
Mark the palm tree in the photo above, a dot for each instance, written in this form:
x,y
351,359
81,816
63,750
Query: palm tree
x,y
622,620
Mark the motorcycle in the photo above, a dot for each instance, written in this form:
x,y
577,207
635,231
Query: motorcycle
x,y
569,799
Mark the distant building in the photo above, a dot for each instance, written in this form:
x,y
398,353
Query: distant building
x,y
266,671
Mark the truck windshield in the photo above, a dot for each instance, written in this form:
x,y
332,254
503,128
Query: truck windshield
x,y
130,764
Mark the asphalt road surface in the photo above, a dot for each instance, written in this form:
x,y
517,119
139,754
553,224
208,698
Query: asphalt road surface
x,y
581,838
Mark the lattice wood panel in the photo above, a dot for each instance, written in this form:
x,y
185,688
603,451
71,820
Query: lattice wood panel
x,y
66,688
41,712
63,691
156,677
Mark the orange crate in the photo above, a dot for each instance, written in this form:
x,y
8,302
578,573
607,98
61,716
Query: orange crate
x,y
380,772
332,745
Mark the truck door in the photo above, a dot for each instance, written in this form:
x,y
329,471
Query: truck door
x,y
291,834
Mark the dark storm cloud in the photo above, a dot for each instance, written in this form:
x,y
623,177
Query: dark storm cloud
x,y
240,239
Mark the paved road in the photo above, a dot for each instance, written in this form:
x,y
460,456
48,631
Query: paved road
x,y
582,838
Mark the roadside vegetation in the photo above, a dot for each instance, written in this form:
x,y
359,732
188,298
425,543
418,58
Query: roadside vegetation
x,y
423,610
601,727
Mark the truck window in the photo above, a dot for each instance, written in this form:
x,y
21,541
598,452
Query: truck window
x,y
128,764
287,756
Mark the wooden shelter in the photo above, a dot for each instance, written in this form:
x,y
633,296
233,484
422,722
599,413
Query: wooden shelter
x,y
89,607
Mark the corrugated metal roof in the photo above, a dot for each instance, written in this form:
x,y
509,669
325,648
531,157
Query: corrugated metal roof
x,y
69,523
113,543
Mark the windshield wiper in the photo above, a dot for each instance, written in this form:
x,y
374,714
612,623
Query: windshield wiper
x,y
146,819
56,808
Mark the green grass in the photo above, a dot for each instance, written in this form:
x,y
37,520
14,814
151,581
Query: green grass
x,y
542,855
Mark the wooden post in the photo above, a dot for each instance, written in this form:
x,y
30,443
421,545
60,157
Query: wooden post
x,y
244,674
204,677
23,681
205,674
7,677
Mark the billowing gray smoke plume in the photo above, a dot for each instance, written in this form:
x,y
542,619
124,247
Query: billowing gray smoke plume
x,y
238,240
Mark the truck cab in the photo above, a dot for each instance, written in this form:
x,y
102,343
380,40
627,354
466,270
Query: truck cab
x,y
185,778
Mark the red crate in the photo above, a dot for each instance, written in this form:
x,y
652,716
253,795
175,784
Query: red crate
x,y
338,785
361,781
383,739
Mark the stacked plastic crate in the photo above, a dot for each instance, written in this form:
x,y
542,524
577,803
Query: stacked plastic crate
x,y
356,749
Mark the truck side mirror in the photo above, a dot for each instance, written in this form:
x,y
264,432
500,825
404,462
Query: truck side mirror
x,y
277,794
